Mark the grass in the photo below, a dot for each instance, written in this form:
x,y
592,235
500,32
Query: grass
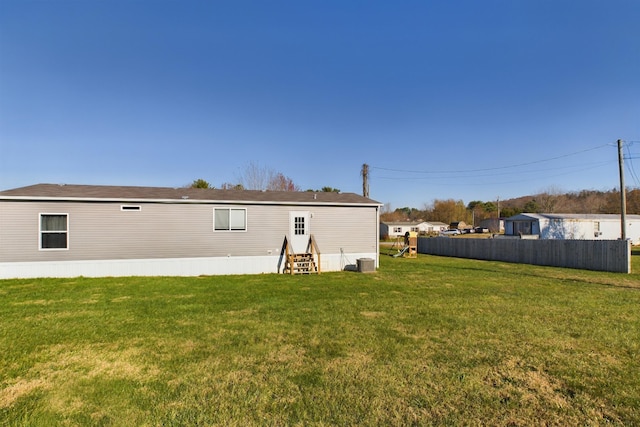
x,y
427,341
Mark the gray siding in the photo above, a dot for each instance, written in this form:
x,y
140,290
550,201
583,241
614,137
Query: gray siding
x,y
348,228
100,230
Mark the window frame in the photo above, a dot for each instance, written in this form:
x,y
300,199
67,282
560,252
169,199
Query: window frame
x,y
300,225
230,229
41,232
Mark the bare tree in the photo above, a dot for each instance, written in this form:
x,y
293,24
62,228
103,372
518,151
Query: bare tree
x,y
255,176
230,186
279,182
551,200
258,177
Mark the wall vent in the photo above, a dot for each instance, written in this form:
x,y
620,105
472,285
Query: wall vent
x,y
130,207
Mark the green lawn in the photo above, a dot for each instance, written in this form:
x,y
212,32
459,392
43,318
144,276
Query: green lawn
x,y
427,341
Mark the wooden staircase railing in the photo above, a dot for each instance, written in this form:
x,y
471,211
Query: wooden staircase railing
x,y
302,263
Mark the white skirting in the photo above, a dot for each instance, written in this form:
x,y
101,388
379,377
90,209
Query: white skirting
x,y
169,266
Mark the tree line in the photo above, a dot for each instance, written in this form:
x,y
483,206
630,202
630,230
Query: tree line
x,y
258,177
451,210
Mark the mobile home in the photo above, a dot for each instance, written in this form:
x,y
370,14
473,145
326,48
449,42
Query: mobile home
x,y
573,226
51,230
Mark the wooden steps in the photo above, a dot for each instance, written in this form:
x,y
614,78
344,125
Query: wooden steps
x,y
301,264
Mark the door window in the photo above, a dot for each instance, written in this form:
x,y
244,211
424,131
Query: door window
x,y
299,226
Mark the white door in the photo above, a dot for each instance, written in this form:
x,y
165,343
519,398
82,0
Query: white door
x,y
299,231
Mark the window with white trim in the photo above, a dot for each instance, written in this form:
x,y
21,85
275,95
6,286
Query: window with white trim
x,y
397,229
229,219
54,231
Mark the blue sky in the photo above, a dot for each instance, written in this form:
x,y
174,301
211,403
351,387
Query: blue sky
x,y
470,100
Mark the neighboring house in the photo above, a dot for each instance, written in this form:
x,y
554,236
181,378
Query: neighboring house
x,y
572,226
397,229
50,230
436,227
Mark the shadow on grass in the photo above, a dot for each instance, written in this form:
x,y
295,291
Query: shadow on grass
x,y
618,280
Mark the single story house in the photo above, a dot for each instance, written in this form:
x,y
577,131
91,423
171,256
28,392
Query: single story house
x,y
399,228
51,230
572,226
436,227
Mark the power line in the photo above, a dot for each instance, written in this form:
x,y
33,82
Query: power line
x,y
494,168
632,170
514,181
464,175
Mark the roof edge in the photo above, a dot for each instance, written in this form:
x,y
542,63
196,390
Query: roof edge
x,y
179,201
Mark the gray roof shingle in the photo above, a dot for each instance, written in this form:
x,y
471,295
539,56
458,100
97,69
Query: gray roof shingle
x,y
128,193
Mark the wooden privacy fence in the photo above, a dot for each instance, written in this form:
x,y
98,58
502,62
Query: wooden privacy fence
x,y
599,255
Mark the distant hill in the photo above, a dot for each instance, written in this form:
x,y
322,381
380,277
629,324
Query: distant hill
x,y
585,201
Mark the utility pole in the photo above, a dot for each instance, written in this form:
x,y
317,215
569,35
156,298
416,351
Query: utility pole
x,y
365,180
498,216
623,195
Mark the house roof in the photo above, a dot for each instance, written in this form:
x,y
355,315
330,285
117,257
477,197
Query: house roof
x,y
64,192
585,217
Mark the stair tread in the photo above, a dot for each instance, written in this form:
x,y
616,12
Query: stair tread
x,y
301,263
